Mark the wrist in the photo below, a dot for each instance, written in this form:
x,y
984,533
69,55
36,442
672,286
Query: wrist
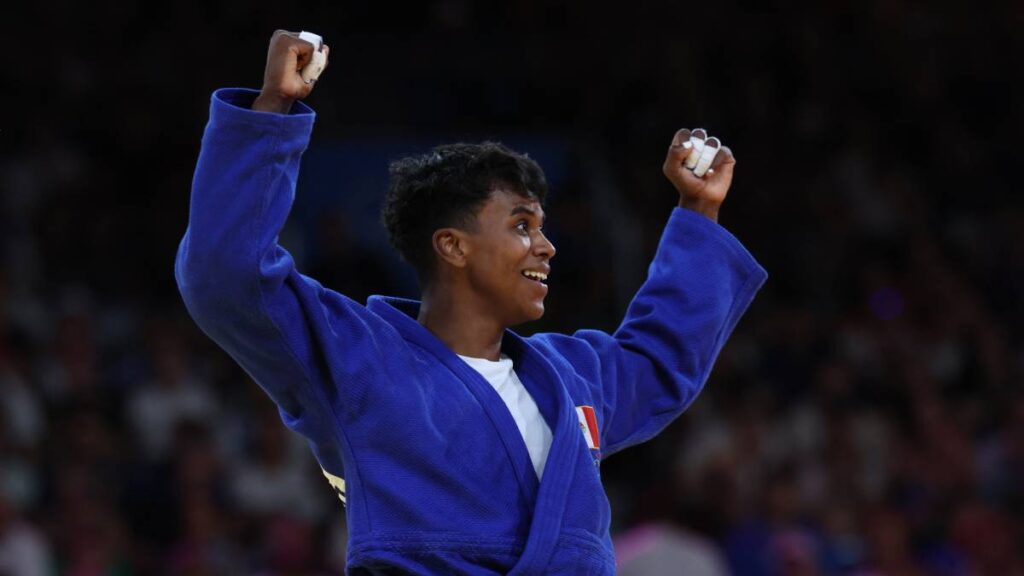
x,y
270,103
702,207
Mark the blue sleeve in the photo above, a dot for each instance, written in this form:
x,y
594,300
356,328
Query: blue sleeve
x,y
241,287
645,374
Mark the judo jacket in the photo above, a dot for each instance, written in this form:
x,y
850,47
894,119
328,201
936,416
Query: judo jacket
x,y
434,474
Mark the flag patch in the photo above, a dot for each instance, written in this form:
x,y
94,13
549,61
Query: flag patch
x,y
588,425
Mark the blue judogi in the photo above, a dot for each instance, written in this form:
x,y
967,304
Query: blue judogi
x,y
434,472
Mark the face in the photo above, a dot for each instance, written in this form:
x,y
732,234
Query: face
x,y
509,257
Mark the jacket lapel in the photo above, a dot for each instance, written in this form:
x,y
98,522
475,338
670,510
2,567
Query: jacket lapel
x,y
545,385
549,510
399,313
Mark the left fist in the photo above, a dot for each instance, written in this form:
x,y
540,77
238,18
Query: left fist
x,y
700,168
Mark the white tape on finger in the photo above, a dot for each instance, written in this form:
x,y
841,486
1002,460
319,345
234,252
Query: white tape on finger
x,y
707,156
311,71
313,39
697,139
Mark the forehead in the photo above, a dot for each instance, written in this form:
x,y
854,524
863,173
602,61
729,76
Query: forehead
x,y
503,203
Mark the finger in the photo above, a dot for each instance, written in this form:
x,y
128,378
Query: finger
x,y
685,182
724,156
697,138
314,58
302,58
311,72
677,152
280,32
305,44
682,135
689,183
723,166
707,156
313,40
681,146
327,52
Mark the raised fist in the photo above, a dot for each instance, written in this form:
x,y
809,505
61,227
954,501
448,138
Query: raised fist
x,y
702,186
282,78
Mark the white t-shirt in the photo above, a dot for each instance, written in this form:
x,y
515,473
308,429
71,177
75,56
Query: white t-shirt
x,y
535,431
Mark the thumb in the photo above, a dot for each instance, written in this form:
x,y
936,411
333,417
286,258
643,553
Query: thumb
x,y
724,164
303,51
719,176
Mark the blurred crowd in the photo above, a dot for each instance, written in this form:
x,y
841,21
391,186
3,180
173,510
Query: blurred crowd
x,y
866,418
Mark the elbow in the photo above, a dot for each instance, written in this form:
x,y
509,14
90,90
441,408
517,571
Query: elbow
x,y
197,292
216,284
209,287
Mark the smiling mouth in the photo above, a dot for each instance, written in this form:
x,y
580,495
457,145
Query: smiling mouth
x,y
535,276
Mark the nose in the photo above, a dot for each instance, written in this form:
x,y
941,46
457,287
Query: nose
x,y
542,247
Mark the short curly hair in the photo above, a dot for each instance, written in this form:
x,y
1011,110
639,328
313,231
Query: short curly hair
x,y
446,188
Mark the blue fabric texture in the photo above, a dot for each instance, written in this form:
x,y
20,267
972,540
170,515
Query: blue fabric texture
x,y
437,477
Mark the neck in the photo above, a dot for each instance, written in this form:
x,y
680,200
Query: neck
x,y
461,321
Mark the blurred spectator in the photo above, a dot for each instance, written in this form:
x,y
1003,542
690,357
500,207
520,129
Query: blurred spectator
x,y
653,550
865,419
174,395
279,475
206,546
22,424
23,550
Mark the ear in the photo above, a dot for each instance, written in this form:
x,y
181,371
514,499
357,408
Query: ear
x,y
451,246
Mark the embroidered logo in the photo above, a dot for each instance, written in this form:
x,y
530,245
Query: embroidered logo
x,y
588,426
337,483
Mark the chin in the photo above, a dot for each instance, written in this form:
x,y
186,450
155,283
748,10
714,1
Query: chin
x,y
531,313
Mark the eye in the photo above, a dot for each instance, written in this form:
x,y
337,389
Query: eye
x,y
523,226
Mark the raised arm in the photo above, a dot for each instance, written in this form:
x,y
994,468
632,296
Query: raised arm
x,y
698,286
238,283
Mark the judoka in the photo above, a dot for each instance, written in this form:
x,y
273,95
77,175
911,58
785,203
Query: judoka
x,y
456,445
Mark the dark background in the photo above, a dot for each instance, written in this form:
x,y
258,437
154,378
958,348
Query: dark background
x,y
865,418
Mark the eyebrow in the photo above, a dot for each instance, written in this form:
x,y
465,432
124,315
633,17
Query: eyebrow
x,y
526,209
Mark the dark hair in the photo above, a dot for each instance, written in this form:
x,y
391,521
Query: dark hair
x,y
446,188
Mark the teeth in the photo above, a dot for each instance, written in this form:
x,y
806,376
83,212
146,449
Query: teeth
x,y
540,276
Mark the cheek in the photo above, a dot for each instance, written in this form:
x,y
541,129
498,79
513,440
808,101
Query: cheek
x,y
518,253
500,261
510,253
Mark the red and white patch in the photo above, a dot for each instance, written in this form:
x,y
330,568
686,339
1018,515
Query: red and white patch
x,y
588,425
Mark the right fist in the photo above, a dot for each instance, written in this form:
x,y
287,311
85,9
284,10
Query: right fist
x,y
282,81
